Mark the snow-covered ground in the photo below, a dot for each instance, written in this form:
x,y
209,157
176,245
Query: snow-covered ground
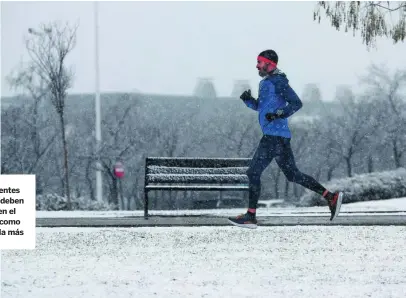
x,y
209,262
383,206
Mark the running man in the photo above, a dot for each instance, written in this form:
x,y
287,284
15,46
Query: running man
x,y
277,101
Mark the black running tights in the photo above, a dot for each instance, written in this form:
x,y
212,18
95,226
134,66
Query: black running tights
x,y
271,147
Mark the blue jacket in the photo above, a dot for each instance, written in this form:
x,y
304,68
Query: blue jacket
x,y
275,94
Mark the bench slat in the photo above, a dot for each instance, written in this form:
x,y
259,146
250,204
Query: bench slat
x,y
196,187
191,178
198,162
187,170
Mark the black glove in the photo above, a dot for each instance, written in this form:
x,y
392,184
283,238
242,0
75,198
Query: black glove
x,y
272,116
246,95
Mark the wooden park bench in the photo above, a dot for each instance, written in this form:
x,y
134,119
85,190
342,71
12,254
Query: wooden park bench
x,y
186,173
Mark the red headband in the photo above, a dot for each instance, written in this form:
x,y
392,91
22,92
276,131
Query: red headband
x,y
266,60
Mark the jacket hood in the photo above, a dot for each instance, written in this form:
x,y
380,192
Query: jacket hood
x,y
277,75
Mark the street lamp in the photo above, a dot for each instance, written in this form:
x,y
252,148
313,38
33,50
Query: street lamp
x,y
99,188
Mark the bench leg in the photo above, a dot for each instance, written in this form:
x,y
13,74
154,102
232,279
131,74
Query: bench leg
x,y
145,204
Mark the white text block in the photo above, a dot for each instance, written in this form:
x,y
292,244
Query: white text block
x,y
17,211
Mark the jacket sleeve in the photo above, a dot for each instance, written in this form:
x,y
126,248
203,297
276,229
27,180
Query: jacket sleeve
x,y
252,103
262,93
289,95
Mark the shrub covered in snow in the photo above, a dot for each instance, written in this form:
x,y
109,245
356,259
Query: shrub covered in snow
x,y
365,187
54,202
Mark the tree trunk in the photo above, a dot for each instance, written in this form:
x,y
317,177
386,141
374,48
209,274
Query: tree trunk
x,y
330,173
349,166
128,207
89,180
296,191
370,164
120,184
35,136
65,155
318,174
276,185
287,190
114,193
396,153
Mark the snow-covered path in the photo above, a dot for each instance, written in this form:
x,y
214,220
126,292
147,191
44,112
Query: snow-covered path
x,y
360,208
209,262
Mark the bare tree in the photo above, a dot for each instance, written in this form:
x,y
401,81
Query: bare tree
x,y
126,133
48,47
302,149
372,18
329,149
26,142
386,90
238,132
356,126
15,156
26,80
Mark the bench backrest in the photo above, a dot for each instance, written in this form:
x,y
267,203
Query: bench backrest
x,y
180,170
197,162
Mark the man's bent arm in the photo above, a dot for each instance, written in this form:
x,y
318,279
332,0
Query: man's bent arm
x,y
290,96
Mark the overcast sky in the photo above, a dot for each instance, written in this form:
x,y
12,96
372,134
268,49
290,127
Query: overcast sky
x,y
163,47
